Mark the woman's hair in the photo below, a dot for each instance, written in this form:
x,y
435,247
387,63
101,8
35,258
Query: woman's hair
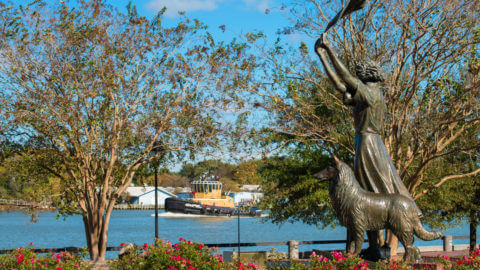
x,y
369,71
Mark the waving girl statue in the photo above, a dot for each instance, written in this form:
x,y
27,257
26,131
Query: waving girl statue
x,y
373,166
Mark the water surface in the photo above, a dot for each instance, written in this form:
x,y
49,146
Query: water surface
x,y
137,226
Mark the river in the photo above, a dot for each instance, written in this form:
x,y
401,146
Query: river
x,y
137,226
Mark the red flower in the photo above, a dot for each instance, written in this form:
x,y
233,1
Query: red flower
x,y
144,246
122,244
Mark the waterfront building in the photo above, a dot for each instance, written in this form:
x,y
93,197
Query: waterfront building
x,y
146,195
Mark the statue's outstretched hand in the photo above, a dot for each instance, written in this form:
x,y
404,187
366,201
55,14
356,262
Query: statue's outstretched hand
x,y
321,43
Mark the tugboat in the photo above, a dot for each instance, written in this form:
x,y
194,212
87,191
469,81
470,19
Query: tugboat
x,y
206,199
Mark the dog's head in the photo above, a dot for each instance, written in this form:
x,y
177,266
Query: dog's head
x,y
329,173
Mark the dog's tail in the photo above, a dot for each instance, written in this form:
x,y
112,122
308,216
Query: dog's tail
x,y
424,234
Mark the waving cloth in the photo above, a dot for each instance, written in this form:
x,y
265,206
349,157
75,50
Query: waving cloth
x,y
352,6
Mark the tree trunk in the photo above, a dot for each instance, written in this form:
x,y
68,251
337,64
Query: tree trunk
x,y
96,233
473,229
104,231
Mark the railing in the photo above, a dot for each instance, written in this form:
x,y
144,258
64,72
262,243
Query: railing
x,y
21,203
292,245
73,250
124,206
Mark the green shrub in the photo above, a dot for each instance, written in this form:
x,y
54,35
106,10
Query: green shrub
x,y
27,258
185,255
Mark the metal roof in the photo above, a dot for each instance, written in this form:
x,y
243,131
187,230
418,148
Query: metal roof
x,y
139,191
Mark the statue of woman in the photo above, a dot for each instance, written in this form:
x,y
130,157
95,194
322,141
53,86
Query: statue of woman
x,y
373,166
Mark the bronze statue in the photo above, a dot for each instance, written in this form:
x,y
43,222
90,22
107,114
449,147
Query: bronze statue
x,y
359,211
373,166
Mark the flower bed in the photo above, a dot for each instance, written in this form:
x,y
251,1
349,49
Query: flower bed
x,y
185,255
342,261
26,258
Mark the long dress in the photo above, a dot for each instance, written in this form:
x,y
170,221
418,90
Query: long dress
x,y
373,166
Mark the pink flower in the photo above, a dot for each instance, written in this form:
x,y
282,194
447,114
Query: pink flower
x,y
31,243
59,268
144,246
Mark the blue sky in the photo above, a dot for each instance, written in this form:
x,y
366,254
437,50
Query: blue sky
x,y
238,16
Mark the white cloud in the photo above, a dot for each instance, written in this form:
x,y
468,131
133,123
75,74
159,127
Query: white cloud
x,y
260,5
174,6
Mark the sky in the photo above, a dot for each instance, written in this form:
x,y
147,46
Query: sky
x,y
238,16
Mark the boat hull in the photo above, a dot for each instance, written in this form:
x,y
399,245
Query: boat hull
x,y
190,207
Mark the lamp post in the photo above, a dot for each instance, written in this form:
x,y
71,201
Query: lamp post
x,y
157,152
156,202
238,226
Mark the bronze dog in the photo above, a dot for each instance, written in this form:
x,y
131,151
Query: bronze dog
x,y
359,211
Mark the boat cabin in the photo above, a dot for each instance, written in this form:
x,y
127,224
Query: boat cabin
x,y
207,189
209,192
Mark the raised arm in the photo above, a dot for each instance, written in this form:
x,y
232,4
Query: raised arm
x,y
341,70
330,73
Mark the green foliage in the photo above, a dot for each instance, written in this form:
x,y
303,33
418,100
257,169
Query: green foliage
x,y
443,206
207,167
291,193
183,255
23,177
27,258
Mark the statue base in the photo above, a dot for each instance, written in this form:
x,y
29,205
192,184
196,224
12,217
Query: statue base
x,y
375,254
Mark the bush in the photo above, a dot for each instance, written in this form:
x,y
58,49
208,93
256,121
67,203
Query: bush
x,y
27,258
185,255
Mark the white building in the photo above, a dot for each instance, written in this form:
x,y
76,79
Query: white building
x,y
246,198
251,188
146,195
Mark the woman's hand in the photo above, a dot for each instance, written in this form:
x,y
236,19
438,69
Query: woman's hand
x,y
321,43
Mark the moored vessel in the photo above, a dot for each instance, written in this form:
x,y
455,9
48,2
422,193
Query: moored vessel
x,y
206,198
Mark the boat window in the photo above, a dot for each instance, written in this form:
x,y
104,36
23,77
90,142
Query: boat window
x,y
209,188
205,188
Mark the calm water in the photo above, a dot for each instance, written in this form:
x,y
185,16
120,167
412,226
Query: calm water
x,y
138,227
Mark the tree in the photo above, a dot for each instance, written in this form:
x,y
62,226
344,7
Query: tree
x,y
245,173
207,167
290,191
429,52
98,90
455,209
